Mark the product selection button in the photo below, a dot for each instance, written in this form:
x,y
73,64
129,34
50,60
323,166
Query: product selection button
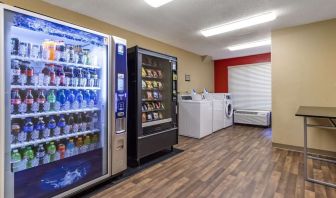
x,y
120,114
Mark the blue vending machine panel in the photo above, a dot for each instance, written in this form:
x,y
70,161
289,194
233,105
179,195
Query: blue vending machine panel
x,y
121,85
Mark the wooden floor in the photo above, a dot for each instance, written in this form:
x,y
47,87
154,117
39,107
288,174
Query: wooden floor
x,y
235,162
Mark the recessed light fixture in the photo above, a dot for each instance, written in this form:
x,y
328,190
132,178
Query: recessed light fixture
x,y
157,3
239,24
250,45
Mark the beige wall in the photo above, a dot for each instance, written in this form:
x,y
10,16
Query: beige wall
x,y
202,73
304,73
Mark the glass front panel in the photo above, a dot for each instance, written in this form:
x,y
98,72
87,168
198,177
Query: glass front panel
x,y
156,90
56,131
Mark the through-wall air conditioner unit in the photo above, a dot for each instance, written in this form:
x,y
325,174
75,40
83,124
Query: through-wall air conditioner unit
x,y
252,117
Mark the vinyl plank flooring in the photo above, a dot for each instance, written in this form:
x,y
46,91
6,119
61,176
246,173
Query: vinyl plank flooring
x,y
235,162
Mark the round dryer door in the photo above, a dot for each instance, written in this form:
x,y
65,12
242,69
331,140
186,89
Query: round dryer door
x,y
229,110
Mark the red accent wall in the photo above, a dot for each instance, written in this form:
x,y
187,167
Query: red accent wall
x,y
221,68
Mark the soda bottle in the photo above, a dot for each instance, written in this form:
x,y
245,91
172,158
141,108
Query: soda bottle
x,y
40,125
52,99
61,97
70,147
29,156
94,76
60,49
16,101
61,76
16,71
51,124
79,120
71,122
51,149
79,76
61,123
87,141
74,79
93,96
29,100
16,129
79,142
16,159
94,140
79,97
28,128
41,100
61,150
30,74
52,75
86,96
95,119
52,50
40,153
71,97
23,68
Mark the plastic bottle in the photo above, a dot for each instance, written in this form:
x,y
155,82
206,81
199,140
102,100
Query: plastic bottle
x,y
41,100
79,97
16,101
29,156
71,97
15,160
40,153
51,124
28,128
30,74
16,71
70,147
61,123
29,100
52,99
70,122
61,150
93,96
52,74
51,148
61,97
40,125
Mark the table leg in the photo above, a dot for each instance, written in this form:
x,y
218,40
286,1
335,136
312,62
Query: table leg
x,y
305,149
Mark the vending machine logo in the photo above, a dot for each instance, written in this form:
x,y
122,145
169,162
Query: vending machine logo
x,y
120,49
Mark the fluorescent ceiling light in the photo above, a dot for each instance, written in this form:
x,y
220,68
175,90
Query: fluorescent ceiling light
x,y
250,45
157,3
242,23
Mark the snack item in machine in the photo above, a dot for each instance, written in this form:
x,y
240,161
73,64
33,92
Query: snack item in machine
x,y
149,84
149,117
155,75
144,85
155,84
160,115
143,72
156,95
144,117
155,115
159,85
159,73
149,73
149,95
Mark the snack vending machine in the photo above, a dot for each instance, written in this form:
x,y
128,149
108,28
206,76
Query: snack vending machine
x,y
61,92
153,103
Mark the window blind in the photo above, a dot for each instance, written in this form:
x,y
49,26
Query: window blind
x,y
251,86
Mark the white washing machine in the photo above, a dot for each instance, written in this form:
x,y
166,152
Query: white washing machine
x,y
228,119
195,116
218,112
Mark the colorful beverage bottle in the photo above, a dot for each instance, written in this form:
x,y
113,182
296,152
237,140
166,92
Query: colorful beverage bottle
x,y
93,96
52,74
61,97
61,123
61,150
95,140
61,76
71,122
79,142
51,149
94,76
15,160
28,128
71,97
51,124
52,99
16,129
16,71
28,154
52,50
40,153
86,96
87,141
29,100
79,121
40,126
79,97
41,100
16,101
30,74
70,147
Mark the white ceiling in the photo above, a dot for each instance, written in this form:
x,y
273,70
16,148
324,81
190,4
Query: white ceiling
x,y
178,23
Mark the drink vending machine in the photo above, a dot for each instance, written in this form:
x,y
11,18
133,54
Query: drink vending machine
x,y
63,101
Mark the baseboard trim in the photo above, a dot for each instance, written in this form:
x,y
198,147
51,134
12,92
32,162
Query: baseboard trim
x,y
300,149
